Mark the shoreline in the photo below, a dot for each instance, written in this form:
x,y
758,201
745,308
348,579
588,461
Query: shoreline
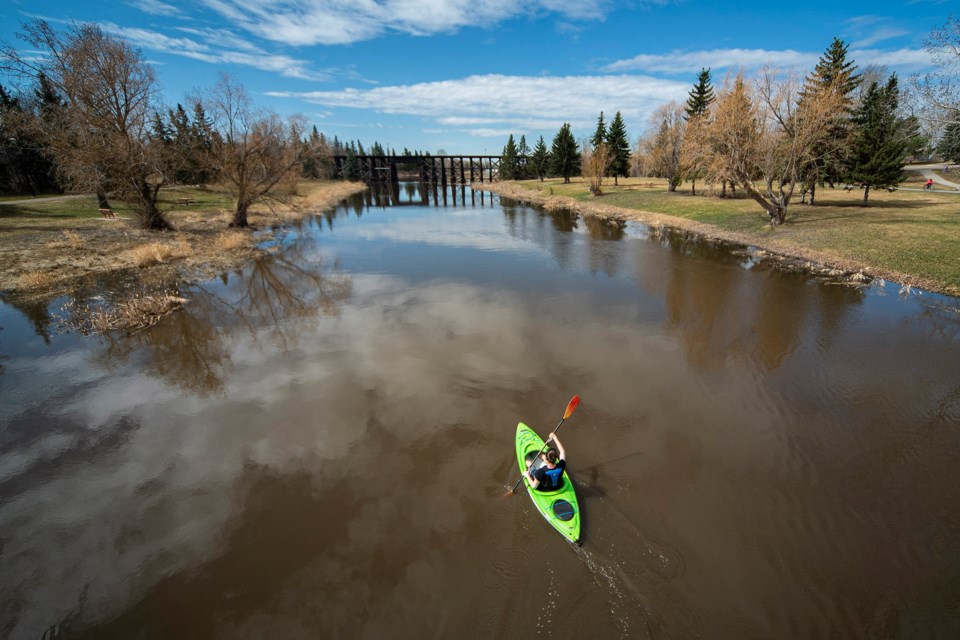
x,y
60,252
813,261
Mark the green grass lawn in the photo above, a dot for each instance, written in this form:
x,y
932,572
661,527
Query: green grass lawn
x,y
43,210
909,232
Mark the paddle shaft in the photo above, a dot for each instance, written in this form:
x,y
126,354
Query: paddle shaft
x,y
538,454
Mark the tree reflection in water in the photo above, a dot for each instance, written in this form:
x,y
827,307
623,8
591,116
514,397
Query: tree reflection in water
x,y
278,297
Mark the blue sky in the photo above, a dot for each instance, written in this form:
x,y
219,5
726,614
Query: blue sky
x,y
460,75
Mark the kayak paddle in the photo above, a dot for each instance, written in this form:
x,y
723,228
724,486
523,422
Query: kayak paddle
x,y
571,406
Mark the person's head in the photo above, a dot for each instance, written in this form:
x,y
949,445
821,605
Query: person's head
x,y
551,456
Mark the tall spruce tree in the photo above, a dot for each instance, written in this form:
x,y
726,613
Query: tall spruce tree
x,y
838,76
701,95
881,139
565,153
351,165
508,160
619,148
600,135
700,98
540,160
523,159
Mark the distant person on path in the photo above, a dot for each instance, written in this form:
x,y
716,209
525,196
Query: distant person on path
x,y
549,476
928,185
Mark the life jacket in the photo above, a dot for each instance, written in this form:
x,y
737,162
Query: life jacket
x,y
553,478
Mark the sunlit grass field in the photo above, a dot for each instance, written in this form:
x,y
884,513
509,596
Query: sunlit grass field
x,y
909,232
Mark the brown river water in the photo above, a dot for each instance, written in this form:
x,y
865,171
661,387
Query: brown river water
x,y
319,444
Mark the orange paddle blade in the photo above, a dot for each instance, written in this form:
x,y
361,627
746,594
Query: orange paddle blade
x,y
571,407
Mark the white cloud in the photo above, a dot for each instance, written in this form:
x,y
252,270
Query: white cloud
x,y
510,100
155,7
679,61
686,62
869,30
879,35
248,55
331,22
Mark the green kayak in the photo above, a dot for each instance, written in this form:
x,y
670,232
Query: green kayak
x,y
559,507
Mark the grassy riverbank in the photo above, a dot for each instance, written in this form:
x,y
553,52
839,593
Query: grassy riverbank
x,y
908,237
48,242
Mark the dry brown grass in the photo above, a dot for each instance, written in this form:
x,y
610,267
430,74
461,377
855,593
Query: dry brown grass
x,y
231,240
150,254
68,238
74,240
158,252
133,314
36,280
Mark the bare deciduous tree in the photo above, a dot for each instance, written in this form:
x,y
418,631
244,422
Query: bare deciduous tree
x,y
596,163
667,124
257,153
100,136
763,133
695,155
937,94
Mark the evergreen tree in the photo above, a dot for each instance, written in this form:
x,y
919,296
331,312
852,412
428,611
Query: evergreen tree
x,y
24,167
508,160
159,130
600,135
881,139
540,159
834,68
619,148
701,95
523,158
565,153
351,166
949,147
834,74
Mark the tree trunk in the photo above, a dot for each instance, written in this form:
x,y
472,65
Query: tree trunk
x,y
615,183
723,188
240,216
813,192
671,186
693,187
866,192
148,214
102,201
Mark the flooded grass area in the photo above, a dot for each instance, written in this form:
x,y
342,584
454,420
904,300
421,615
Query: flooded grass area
x,y
47,243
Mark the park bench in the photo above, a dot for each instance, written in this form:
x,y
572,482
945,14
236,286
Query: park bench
x,y
184,200
107,213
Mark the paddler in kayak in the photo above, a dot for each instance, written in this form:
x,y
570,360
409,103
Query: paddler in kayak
x,y
549,475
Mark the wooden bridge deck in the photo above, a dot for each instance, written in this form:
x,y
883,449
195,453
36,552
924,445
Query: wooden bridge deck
x,y
441,170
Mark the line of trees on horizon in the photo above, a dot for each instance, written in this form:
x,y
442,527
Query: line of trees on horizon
x,y
86,118
778,133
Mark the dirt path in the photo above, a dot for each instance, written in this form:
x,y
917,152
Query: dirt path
x,y
51,199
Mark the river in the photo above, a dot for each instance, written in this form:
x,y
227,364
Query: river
x,y
318,445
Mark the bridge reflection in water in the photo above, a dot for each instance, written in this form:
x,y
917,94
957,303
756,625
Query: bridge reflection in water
x,y
406,194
